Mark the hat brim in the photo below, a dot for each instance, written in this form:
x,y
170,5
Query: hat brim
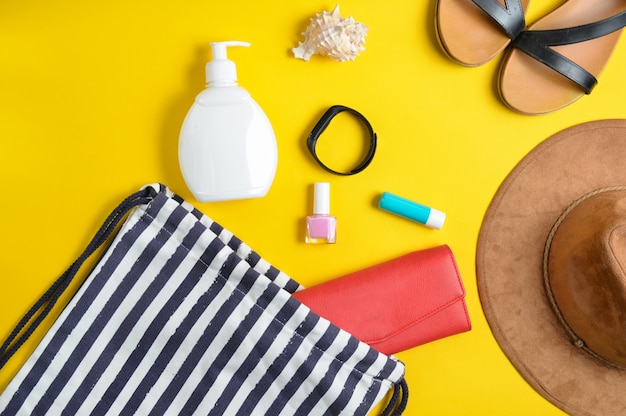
x,y
509,259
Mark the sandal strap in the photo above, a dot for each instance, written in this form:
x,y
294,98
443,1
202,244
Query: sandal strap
x,y
538,43
510,17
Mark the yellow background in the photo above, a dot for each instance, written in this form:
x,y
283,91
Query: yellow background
x,y
93,94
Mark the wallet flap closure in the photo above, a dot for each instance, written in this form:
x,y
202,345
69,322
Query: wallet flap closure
x,y
385,300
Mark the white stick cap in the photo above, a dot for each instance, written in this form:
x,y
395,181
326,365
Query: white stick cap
x,y
436,219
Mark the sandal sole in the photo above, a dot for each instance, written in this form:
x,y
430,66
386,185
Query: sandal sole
x,y
530,87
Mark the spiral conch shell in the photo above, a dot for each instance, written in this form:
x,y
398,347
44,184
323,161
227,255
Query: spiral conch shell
x,y
334,36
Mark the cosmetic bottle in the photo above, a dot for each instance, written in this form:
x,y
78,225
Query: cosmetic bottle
x,y
321,227
227,148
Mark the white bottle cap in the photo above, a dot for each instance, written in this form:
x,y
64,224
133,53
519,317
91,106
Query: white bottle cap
x,y
321,198
221,70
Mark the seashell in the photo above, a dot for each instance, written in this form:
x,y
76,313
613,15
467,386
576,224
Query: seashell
x,y
329,34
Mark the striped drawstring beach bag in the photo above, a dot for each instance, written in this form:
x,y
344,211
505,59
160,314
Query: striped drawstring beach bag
x,y
180,317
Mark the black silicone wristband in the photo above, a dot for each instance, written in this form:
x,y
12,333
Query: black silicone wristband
x,y
325,121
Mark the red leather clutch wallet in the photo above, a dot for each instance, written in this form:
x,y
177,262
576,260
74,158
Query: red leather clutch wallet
x,y
396,305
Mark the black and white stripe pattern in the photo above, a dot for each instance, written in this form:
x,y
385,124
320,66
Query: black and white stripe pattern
x,y
181,317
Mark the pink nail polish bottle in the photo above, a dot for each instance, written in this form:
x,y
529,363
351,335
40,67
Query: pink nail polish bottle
x,y
321,227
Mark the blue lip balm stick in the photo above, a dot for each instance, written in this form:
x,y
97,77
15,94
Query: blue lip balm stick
x,y
412,210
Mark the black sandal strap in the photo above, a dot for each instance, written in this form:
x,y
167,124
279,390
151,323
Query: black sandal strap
x,y
510,18
538,43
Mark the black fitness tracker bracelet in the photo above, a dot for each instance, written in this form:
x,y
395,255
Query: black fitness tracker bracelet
x,y
325,121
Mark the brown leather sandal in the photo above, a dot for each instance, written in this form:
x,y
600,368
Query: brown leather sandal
x,y
558,59
472,32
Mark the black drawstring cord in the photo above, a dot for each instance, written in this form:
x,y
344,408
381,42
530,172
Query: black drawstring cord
x,y
400,392
52,295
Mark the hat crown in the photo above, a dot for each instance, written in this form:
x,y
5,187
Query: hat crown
x,y
585,273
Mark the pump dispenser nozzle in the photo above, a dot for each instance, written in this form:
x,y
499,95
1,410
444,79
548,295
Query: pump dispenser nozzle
x,y
221,70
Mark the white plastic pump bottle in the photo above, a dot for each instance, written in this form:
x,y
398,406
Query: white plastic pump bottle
x,y
227,148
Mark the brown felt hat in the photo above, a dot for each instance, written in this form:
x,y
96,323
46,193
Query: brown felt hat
x,y
551,268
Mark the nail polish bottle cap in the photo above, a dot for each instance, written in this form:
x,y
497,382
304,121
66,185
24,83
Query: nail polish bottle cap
x,y
321,198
